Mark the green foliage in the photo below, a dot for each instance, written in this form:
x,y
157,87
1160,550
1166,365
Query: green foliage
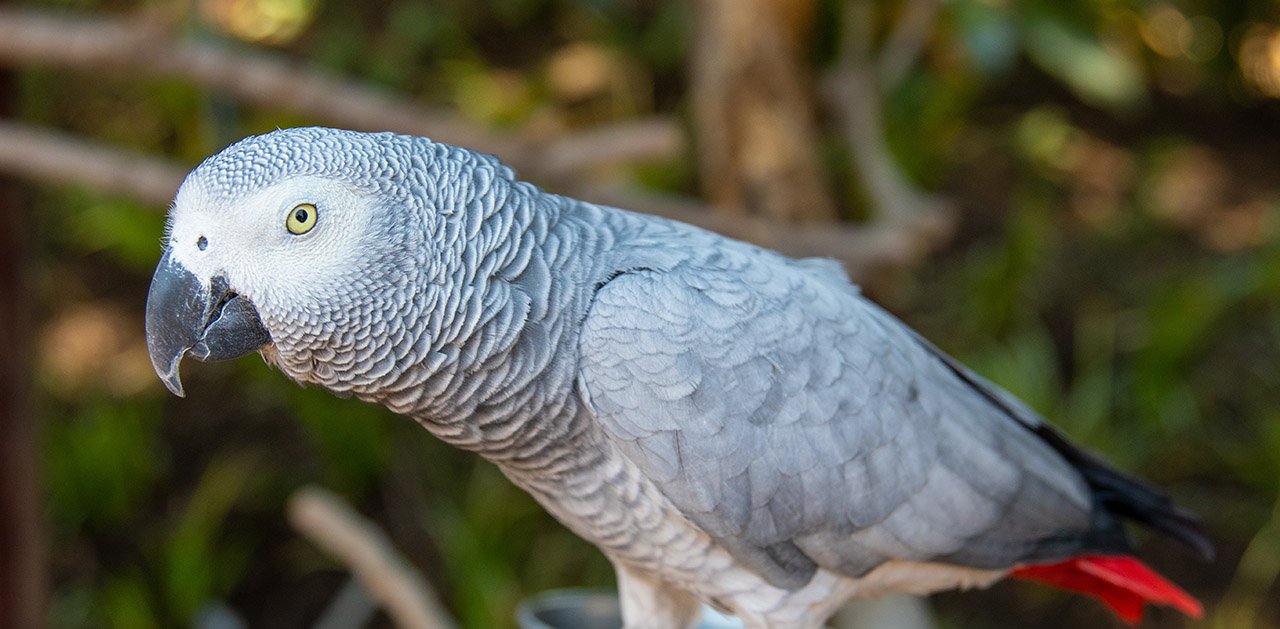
x,y
352,438
198,565
130,232
1099,75
101,463
126,604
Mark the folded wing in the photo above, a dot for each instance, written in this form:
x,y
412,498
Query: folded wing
x,y
802,426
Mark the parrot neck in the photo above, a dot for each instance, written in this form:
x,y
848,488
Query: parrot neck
x,y
499,376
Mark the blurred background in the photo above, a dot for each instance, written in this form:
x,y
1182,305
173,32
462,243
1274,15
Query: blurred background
x,y
1077,199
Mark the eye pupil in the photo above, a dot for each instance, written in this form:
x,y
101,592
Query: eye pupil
x,y
301,219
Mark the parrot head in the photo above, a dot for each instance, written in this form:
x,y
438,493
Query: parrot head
x,y
306,245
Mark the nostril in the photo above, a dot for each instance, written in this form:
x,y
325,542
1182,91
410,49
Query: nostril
x,y
202,243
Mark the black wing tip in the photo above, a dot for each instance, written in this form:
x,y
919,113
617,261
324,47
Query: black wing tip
x,y
1133,498
1187,528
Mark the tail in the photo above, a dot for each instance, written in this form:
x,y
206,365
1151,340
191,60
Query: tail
x,y
1131,497
1101,565
1122,583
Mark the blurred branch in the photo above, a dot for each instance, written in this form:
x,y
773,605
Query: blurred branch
x,y
563,161
351,607
331,524
902,48
23,569
141,47
272,81
653,138
853,90
58,158
861,249
23,585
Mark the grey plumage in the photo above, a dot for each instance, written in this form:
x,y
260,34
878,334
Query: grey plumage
x,y
802,426
721,420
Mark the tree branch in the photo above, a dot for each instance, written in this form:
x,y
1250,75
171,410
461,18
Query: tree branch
x,y
861,249
853,91
39,38
133,46
57,158
902,48
24,571
276,82
572,155
328,522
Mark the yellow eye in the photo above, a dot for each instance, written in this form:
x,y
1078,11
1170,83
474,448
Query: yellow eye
x,y
301,219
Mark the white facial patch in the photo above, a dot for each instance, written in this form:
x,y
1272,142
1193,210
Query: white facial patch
x,y
246,239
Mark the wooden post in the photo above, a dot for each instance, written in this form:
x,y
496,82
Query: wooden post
x,y
22,556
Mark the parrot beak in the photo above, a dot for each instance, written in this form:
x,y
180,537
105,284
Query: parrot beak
x,y
209,322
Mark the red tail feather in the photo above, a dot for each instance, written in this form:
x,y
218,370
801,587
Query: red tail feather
x,y
1123,583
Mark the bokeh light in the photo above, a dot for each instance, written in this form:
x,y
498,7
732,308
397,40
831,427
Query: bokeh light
x,y
1260,58
261,21
1172,34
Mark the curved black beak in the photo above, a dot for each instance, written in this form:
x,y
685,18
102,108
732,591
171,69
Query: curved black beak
x,y
186,317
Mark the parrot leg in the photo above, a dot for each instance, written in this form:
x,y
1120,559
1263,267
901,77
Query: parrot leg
x,y
650,604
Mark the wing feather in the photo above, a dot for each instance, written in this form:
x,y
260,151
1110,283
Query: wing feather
x,y
801,425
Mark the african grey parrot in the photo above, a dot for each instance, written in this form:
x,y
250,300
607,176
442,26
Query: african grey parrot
x,y
729,425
